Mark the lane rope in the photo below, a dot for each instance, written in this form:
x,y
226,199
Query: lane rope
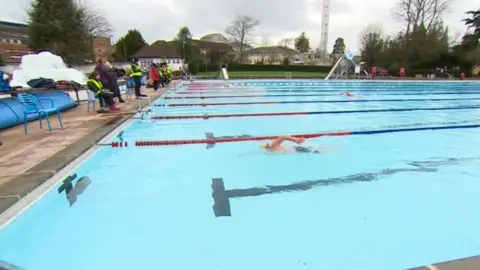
x,y
123,143
209,116
317,95
143,143
306,102
307,90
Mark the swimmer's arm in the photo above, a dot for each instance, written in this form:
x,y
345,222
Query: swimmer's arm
x,y
278,141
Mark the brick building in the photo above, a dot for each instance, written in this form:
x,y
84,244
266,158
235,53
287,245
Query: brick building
x,y
13,39
102,47
13,43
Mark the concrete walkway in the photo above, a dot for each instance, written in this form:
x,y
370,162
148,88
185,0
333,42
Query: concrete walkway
x,y
26,161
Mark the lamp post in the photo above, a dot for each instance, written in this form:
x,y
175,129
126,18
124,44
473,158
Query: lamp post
x,y
183,51
124,51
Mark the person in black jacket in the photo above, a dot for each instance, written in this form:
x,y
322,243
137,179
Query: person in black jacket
x,y
108,79
96,86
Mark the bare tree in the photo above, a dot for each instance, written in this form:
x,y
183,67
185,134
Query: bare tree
x,y
240,31
265,42
286,42
372,43
95,23
371,33
417,12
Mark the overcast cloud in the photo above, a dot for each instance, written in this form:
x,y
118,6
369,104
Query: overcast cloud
x,y
278,18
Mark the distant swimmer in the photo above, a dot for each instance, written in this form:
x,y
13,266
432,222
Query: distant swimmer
x,y
277,146
347,94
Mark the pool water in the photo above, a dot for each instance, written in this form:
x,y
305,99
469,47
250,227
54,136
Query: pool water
x,y
381,201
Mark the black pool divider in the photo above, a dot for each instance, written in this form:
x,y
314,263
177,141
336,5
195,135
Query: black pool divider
x,y
73,191
210,137
221,195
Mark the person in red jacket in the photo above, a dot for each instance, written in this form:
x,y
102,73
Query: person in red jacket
x,y
154,76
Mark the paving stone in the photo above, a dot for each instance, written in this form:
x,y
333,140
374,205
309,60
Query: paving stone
x,y
6,202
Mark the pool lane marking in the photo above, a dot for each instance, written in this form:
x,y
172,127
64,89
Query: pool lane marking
x,y
151,143
308,101
317,95
211,137
328,90
221,195
266,114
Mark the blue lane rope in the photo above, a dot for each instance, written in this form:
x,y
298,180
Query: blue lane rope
x,y
380,131
376,100
396,110
414,125
211,116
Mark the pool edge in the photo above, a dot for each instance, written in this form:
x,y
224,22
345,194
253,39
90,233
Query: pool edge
x,y
54,177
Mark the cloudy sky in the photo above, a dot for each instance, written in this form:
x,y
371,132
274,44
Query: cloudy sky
x,y
278,18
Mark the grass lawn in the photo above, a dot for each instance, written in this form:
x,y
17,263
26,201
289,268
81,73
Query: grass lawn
x,y
295,74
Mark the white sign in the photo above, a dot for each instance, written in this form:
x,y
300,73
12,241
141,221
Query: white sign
x,y
357,69
349,55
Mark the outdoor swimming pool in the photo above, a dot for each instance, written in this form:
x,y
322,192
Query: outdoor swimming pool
x,y
393,200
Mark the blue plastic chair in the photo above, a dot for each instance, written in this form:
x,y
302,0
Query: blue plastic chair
x,y
126,89
32,105
92,99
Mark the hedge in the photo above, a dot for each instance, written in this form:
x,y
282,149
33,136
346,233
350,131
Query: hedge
x,y
196,68
199,68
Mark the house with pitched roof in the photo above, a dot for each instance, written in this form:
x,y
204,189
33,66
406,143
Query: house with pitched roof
x,y
167,51
273,55
160,51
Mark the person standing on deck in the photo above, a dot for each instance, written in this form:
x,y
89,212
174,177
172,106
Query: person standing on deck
x,y
154,76
108,79
137,77
163,72
168,72
159,66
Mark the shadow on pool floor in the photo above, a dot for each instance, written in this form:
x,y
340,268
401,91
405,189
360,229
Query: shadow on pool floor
x,y
469,263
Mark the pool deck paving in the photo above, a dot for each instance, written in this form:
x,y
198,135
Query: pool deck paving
x,y
27,161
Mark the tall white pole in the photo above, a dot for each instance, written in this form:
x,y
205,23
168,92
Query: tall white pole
x,y
325,25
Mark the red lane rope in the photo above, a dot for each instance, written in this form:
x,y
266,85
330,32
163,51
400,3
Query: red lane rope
x,y
227,140
206,97
220,104
172,117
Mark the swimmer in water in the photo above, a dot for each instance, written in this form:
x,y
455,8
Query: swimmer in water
x,y
347,94
278,147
